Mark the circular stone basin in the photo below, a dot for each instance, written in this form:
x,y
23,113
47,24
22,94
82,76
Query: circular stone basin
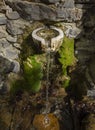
x,y
47,34
48,37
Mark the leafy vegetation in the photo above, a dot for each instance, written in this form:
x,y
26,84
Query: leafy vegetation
x,y
67,58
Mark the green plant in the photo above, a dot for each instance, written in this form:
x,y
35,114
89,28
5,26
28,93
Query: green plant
x,y
67,57
30,80
33,73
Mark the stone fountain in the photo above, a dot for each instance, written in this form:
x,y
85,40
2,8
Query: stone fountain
x,y
48,36
50,40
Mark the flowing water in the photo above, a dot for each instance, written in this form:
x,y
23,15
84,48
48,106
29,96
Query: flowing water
x,y
48,63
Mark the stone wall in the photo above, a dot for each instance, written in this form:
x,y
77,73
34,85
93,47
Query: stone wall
x,y
77,19
16,15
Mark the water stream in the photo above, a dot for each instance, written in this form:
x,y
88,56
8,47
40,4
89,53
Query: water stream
x,y
48,63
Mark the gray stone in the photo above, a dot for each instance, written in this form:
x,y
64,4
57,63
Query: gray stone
x,y
3,19
16,67
6,66
72,32
11,54
35,11
69,4
17,46
8,51
2,35
4,43
69,15
11,39
65,3
38,11
13,29
12,15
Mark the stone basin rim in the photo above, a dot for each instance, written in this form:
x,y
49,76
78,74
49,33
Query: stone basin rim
x,y
52,40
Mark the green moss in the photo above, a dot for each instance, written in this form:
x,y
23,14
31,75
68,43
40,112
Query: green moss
x,y
33,73
67,58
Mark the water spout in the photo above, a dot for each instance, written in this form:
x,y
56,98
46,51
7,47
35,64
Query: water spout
x,y
50,38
